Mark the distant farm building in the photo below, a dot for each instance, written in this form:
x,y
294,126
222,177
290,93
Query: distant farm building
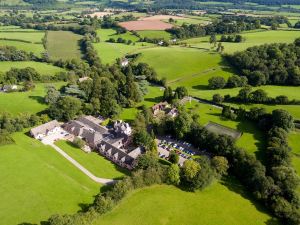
x,y
164,108
223,130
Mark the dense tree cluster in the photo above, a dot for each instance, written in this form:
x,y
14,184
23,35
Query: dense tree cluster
x,y
232,38
10,53
259,96
172,96
269,64
10,124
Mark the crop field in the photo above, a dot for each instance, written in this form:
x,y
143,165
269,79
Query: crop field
x,y
252,39
106,34
95,163
218,204
153,96
42,68
63,45
146,25
25,102
155,34
37,182
252,139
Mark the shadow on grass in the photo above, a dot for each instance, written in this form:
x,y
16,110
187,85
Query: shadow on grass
x,y
250,127
39,99
235,186
201,87
155,99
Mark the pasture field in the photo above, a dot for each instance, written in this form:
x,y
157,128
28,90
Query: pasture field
x,y
218,204
252,139
185,66
153,96
252,39
42,68
155,34
95,163
25,102
109,52
23,35
63,45
36,49
37,182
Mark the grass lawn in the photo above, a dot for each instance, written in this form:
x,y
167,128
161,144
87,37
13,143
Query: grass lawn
x,y
25,102
42,68
95,163
63,45
252,139
155,34
37,182
36,49
218,204
33,37
153,96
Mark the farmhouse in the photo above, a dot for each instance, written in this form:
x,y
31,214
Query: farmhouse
x,y
114,144
164,107
8,87
45,129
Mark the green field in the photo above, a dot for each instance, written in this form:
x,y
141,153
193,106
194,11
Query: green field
x,y
36,49
21,102
37,182
109,52
63,45
42,68
155,34
252,39
185,66
218,204
95,163
23,35
252,139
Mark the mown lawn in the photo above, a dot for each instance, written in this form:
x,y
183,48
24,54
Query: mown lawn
x,y
218,204
25,102
95,163
37,182
252,139
42,68
63,45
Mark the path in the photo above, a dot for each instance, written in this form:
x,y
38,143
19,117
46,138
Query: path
x,y
80,167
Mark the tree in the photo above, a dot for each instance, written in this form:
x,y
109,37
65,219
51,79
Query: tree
x,y
173,157
145,161
173,174
244,94
190,169
216,83
168,94
217,98
283,119
28,86
78,142
258,96
213,39
182,123
52,95
181,92
66,108
220,165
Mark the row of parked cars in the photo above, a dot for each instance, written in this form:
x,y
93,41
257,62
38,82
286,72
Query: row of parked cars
x,y
185,153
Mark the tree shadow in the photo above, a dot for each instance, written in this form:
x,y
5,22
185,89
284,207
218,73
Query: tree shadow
x,y
235,186
155,99
251,127
201,87
39,99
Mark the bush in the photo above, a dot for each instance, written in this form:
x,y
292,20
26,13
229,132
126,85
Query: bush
x,y
216,83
